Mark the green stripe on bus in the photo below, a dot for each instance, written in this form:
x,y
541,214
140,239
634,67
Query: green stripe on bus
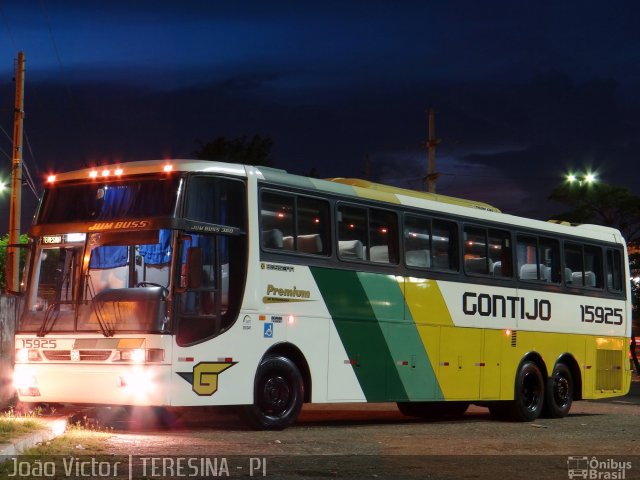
x,y
409,357
360,332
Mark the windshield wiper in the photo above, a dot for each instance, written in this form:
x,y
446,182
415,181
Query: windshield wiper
x,y
97,309
53,307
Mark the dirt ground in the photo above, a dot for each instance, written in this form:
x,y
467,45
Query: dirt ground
x,y
376,441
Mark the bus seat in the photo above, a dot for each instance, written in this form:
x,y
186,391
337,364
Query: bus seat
x,y
529,271
310,243
545,273
476,265
287,243
379,253
589,278
418,258
497,269
442,261
351,249
272,238
568,275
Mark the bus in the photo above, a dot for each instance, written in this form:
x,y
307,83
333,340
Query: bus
x,y
180,283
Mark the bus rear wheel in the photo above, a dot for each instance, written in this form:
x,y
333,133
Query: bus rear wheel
x,y
278,394
559,392
433,409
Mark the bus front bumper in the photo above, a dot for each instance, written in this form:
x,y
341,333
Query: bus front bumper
x,y
93,384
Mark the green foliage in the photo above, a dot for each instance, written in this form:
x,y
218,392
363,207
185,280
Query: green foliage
x,y
253,151
610,206
3,257
601,204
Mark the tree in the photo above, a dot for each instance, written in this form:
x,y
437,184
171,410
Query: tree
x,y
254,151
3,257
601,204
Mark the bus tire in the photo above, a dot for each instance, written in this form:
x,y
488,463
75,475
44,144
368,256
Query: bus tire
x,y
528,394
278,394
433,409
559,392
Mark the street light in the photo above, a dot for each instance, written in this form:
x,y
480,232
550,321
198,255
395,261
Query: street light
x,y
2,186
585,179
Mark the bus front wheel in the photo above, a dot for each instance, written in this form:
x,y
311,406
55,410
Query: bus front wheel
x,y
559,392
278,394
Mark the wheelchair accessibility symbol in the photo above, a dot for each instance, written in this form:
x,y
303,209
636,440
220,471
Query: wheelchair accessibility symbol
x,y
268,330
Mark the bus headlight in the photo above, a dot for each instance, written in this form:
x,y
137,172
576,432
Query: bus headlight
x,y
27,355
140,355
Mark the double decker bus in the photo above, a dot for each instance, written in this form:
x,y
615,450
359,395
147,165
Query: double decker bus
x,y
197,283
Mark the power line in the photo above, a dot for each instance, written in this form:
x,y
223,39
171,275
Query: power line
x,y
6,134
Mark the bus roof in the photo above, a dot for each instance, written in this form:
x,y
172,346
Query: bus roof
x,y
356,182
345,186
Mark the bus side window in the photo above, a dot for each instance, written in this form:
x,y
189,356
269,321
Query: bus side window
x,y
313,226
549,256
444,245
383,233
500,253
352,232
417,241
593,266
277,221
614,271
476,260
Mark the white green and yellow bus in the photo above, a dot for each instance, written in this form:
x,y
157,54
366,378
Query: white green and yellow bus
x,y
197,283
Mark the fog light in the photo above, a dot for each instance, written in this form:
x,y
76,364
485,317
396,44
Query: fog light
x,y
24,380
138,383
155,355
29,392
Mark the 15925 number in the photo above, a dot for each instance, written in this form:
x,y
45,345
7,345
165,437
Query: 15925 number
x,y
38,343
591,314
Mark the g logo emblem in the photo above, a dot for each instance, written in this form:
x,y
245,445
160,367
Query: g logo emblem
x,y
204,379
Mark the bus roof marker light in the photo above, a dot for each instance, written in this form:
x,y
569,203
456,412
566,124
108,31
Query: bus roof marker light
x,y
118,172
51,178
168,168
93,174
106,173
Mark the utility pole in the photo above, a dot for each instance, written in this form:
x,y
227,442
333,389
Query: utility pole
x,y
432,175
13,253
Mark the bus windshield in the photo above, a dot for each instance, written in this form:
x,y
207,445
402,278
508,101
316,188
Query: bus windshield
x,y
121,288
83,202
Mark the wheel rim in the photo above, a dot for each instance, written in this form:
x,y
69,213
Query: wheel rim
x,y
561,390
531,392
276,395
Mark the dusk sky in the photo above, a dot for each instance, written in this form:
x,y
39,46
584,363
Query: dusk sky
x,y
524,91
